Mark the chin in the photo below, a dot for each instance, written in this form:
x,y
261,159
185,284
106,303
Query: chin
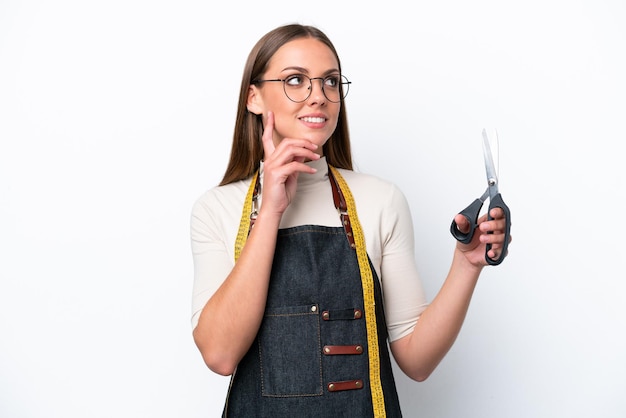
x,y
318,138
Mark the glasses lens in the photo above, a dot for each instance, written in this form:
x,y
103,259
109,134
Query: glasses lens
x,y
297,87
336,88
344,87
332,86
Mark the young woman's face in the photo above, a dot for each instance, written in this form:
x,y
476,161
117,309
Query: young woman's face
x,y
316,117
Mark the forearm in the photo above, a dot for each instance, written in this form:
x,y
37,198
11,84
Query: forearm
x,y
419,353
231,318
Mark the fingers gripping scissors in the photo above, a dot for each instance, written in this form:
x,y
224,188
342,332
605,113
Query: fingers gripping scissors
x,y
472,212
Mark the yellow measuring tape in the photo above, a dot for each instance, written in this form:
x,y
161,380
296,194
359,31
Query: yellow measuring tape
x,y
367,281
244,225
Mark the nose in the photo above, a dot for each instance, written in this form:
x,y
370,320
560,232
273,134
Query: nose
x,y
318,95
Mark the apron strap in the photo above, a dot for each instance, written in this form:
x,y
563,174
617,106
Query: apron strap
x,y
342,207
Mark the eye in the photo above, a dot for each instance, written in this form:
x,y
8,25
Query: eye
x,y
295,80
332,81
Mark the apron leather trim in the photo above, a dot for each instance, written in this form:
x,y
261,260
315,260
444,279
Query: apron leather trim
x,y
342,208
335,350
345,385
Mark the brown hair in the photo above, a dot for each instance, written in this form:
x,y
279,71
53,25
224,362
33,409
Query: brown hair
x,y
247,149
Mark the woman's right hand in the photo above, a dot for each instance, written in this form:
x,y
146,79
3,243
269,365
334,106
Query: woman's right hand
x,y
282,165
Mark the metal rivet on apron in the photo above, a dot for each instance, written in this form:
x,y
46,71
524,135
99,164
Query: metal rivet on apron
x,y
357,313
331,387
359,348
313,308
325,315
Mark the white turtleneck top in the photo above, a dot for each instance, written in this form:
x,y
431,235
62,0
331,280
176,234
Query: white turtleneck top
x,y
384,216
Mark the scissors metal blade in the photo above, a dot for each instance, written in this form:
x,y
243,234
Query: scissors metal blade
x,y
490,167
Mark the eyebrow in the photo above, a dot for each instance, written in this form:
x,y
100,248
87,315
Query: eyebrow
x,y
305,71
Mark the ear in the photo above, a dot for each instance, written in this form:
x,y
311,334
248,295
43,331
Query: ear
x,y
255,102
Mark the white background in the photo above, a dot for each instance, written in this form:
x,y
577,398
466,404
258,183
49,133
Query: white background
x,y
115,116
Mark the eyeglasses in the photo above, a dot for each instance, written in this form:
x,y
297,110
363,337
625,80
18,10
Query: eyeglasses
x,y
298,87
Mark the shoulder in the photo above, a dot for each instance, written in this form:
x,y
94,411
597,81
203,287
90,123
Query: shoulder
x,y
221,201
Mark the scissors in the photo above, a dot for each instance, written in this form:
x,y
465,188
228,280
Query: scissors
x,y
472,212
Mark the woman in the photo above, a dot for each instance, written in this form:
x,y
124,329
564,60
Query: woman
x,y
293,252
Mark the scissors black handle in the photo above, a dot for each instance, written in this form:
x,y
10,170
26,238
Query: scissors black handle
x,y
471,213
497,202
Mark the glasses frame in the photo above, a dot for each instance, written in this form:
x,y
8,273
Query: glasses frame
x,y
344,82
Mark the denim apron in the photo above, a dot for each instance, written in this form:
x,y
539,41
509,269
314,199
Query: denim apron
x,y
316,354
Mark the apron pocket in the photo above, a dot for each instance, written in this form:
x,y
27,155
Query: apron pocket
x,y
290,352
